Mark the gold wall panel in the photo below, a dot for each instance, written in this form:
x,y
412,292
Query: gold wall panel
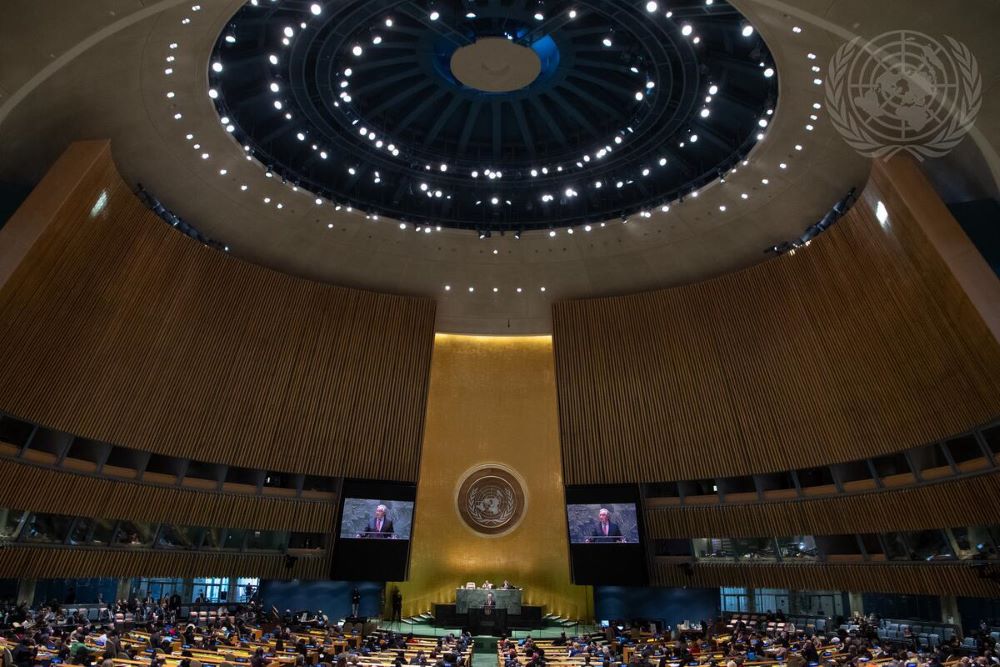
x,y
492,401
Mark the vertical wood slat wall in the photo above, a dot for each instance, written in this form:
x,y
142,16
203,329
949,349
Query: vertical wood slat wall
x,y
37,489
973,501
118,328
845,350
42,562
930,579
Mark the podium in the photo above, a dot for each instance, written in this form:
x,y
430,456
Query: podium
x,y
488,621
509,599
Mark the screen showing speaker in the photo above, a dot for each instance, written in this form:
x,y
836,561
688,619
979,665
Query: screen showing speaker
x,y
603,523
376,519
606,535
373,536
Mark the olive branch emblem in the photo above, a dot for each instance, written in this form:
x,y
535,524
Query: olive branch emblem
x,y
849,122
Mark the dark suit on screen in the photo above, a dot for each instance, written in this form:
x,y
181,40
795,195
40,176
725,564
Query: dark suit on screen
x,y
597,532
371,530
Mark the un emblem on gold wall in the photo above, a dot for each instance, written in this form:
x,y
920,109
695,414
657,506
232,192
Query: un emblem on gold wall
x,y
490,499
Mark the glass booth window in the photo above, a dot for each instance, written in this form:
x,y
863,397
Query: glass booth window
x,y
178,537
10,523
211,590
930,545
266,540
50,528
712,548
798,547
755,548
133,534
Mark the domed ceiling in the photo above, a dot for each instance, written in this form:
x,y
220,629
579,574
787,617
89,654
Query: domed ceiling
x,y
495,115
140,73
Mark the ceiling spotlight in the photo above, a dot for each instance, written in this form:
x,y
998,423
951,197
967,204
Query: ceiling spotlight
x,y
494,200
572,13
651,6
747,30
316,9
705,113
663,161
638,96
606,41
230,39
713,89
289,32
769,72
762,122
273,59
686,30
435,15
377,39
216,66
444,167
539,16
388,23
552,232
357,50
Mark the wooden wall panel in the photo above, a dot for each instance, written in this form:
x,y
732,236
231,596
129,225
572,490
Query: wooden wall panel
x,y
28,487
931,579
118,328
964,502
63,562
847,349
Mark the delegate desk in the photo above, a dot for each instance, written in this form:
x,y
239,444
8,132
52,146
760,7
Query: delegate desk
x,y
475,598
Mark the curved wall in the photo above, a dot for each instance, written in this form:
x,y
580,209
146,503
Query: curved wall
x,y
863,343
115,327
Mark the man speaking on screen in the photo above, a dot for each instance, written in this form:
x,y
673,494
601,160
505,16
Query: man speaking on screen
x,y
605,530
380,526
